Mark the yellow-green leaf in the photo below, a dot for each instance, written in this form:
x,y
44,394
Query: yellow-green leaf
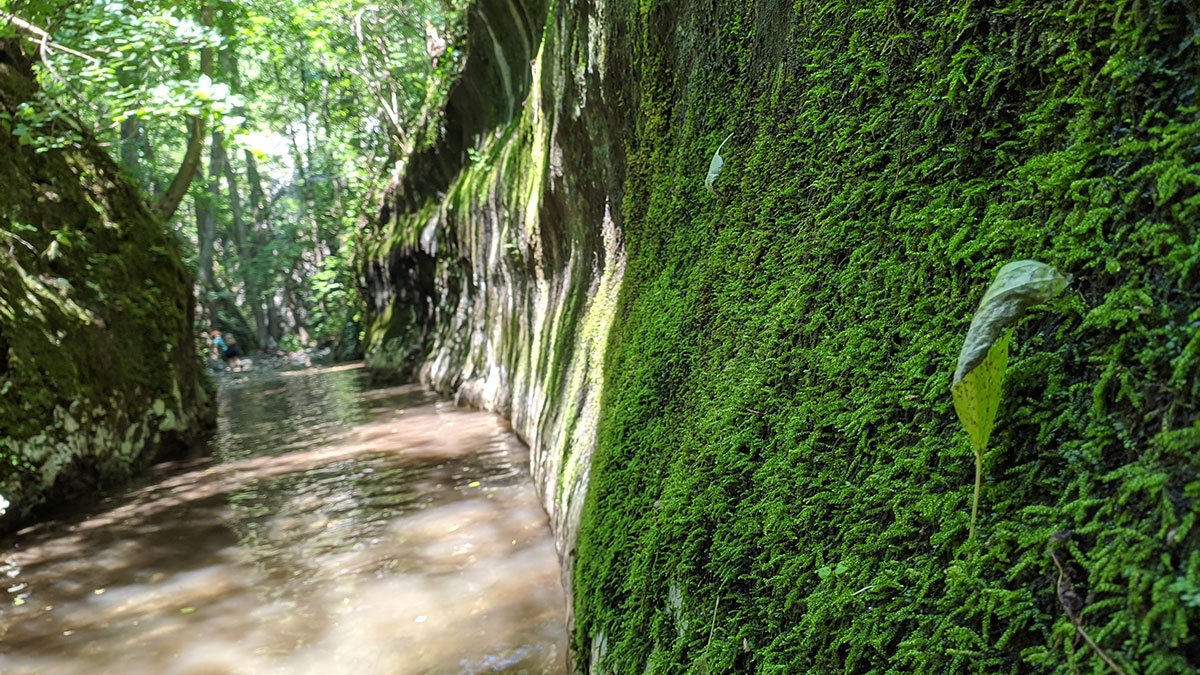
x,y
977,396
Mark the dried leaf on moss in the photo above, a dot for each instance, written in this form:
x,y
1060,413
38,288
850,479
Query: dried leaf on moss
x,y
1018,286
715,166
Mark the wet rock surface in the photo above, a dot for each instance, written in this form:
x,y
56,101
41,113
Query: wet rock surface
x,y
494,261
336,529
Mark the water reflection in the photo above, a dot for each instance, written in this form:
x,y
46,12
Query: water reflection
x,y
336,530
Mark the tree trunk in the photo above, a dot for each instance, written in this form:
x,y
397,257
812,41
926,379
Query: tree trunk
x,y
131,133
258,241
303,160
206,236
155,187
247,253
196,128
275,316
208,216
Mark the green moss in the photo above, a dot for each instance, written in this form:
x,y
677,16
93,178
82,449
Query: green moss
x,y
776,430
95,322
779,466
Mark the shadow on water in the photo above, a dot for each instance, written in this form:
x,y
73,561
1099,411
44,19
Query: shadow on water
x,y
335,529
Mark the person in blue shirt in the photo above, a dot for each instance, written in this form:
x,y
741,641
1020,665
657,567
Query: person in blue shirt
x,y
228,350
219,342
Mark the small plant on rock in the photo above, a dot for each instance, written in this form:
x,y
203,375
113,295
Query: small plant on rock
x,y
984,356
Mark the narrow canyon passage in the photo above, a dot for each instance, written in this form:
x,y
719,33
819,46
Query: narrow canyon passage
x,y
335,528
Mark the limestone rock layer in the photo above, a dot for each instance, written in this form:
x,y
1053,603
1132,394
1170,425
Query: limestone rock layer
x,y
493,266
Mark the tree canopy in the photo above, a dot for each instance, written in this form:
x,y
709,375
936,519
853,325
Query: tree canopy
x,y
257,129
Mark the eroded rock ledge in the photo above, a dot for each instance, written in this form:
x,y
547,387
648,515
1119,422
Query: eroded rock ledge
x,y
496,257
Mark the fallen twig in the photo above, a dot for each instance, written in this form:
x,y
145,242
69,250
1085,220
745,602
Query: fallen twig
x,y
711,629
1074,619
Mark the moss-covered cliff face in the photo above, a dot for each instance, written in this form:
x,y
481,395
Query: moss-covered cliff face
x,y
98,372
779,483
493,267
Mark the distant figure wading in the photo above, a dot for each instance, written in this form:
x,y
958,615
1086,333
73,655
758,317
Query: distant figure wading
x,y
228,349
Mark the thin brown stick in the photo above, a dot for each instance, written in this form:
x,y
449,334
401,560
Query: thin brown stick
x,y
1075,620
713,627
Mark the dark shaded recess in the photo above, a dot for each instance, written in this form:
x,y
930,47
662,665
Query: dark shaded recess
x,y
348,347
412,299
3,354
11,53
232,319
476,103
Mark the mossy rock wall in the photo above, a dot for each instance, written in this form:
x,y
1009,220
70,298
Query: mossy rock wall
x,y
779,483
492,267
98,368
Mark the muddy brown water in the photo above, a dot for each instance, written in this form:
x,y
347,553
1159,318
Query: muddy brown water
x,y
335,528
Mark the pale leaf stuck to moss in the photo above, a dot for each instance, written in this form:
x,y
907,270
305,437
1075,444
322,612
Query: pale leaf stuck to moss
x,y
976,400
984,356
715,166
1018,286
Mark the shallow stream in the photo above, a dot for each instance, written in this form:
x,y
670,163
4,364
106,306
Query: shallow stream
x,y
334,528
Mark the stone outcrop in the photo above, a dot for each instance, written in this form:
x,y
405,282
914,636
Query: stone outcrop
x,y
494,262
98,368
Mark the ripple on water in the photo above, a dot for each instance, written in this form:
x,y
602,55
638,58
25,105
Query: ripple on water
x,y
336,529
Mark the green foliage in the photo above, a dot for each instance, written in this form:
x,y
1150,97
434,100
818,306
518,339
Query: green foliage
x,y
315,95
290,343
336,82
130,67
775,391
